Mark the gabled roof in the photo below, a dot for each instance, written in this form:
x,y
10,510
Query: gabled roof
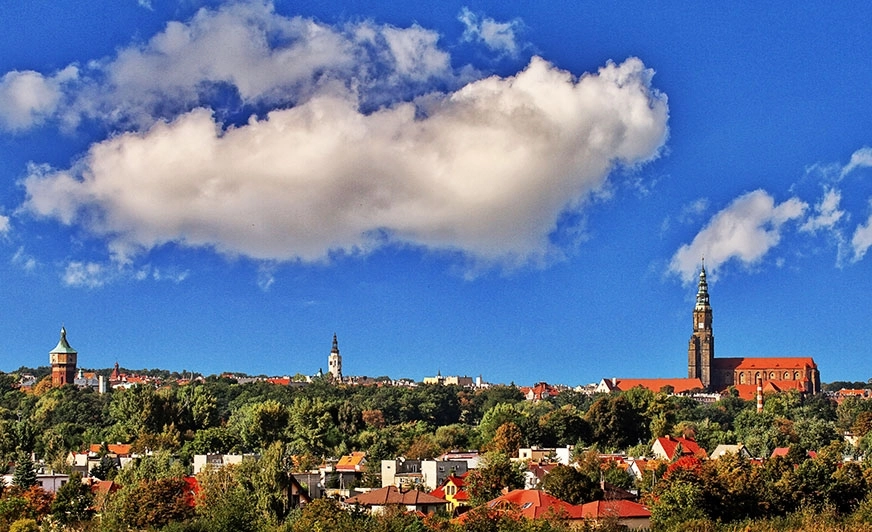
x,y
622,509
351,462
114,448
391,495
535,504
670,444
753,363
749,391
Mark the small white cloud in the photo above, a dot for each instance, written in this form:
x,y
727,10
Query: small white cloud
x,y
500,37
827,212
25,261
5,225
745,230
861,158
862,239
87,274
28,98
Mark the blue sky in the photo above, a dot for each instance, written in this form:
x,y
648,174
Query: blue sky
x,y
520,190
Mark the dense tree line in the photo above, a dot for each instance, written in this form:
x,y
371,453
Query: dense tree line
x,y
296,427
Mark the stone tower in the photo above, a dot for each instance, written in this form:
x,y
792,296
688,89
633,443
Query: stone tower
x,y
334,361
701,349
63,362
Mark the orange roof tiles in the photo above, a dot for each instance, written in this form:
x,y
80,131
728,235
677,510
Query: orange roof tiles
x,y
621,509
670,444
533,504
391,495
655,385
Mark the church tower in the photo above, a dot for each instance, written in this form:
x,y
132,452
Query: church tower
x,y
701,350
63,362
334,361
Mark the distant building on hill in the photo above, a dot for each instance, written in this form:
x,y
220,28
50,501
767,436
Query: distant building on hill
x,y
718,374
334,361
63,362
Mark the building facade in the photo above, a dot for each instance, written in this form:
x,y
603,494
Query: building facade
x,y
63,362
745,373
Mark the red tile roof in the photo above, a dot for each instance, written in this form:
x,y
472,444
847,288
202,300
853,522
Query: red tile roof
x,y
749,363
621,509
114,448
655,385
534,504
391,495
670,444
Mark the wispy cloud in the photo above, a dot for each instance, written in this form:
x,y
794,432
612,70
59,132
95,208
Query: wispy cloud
x,y
501,37
745,231
861,158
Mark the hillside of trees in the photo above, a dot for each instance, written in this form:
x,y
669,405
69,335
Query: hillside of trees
x,y
296,428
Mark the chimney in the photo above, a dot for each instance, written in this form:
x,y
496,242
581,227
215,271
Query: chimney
x,y
759,397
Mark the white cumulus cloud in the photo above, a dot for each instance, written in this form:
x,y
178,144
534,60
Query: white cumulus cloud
x,y
486,169
28,98
862,239
745,230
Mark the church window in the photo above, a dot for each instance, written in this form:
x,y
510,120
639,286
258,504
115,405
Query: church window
x,y
772,375
786,375
796,376
757,378
742,378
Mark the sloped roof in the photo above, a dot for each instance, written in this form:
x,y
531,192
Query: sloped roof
x,y
63,345
669,444
622,509
114,448
655,385
754,363
749,391
351,462
391,495
534,504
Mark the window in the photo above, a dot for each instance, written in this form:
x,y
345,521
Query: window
x,y
786,375
771,374
742,378
796,376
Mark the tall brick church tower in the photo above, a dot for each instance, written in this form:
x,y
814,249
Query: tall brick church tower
x,y
701,350
63,362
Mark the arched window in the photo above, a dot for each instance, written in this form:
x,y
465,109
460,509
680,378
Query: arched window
x,y
786,375
757,378
796,376
742,378
772,375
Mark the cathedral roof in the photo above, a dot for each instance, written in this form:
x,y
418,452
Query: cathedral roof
x,y
760,364
63,346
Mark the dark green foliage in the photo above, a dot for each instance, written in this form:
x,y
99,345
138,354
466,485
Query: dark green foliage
x,y
73,501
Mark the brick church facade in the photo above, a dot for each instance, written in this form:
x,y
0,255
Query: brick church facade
x,y
718,374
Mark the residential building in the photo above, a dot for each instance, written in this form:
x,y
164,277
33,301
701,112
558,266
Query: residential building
x,y
670,448
629,514
428,473
412,500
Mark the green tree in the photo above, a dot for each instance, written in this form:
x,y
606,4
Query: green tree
x,y
25,472
224,504
571,485
495,473
73,501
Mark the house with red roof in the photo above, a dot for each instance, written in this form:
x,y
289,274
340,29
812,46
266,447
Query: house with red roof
x,y
629,514
671,448
412,500
531,504
453,490
539,391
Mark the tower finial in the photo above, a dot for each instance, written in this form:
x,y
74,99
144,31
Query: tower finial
x,y
702,296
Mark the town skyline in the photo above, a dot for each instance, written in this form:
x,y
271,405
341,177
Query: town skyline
x,y
472,188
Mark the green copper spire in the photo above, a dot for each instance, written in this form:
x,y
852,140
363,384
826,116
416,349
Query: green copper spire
x,y
63,345
702,296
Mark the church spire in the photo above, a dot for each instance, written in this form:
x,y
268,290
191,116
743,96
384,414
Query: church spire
x,y
702,296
